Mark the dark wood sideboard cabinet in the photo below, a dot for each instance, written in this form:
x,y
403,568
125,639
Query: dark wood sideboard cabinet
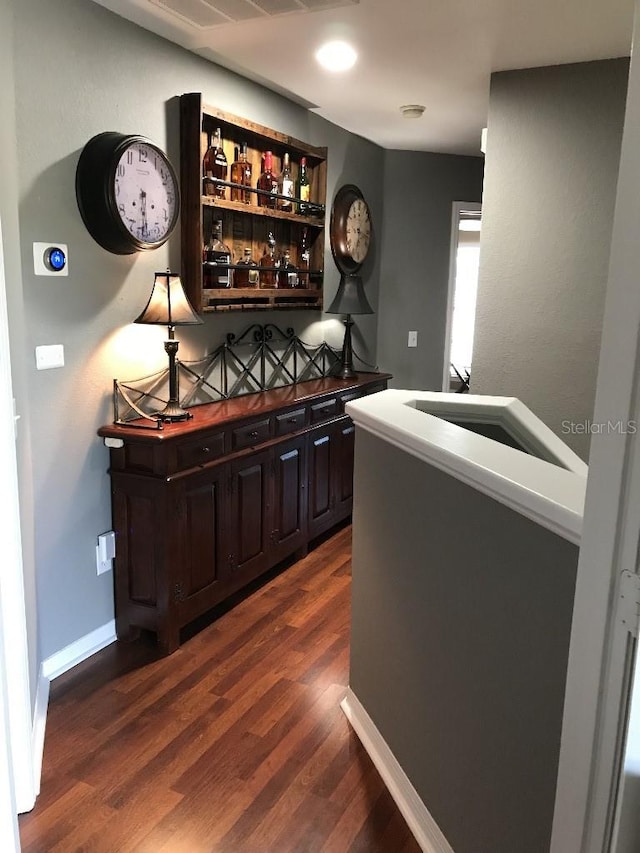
x,y
203,507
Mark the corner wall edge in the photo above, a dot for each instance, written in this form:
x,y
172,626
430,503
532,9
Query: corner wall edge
x,y
419,820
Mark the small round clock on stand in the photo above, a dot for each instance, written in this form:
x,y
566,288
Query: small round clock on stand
x,y
350,236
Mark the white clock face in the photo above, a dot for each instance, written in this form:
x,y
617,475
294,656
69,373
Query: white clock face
x,y
145,193
358,230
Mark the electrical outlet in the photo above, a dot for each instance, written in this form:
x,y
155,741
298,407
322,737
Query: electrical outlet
x,y
101,566
413,339
105,551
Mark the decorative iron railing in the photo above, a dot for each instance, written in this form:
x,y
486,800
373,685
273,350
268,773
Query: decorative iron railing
x,y
262,357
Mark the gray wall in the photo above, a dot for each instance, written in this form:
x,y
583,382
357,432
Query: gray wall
x,y
554,138
80,70
11,248
459,647
419,189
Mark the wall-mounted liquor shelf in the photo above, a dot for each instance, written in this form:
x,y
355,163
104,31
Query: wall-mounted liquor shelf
x,y
246,223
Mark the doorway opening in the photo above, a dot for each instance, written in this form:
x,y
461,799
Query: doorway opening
x,y
466,222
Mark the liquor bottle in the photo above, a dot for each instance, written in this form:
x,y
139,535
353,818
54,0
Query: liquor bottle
x,y
267,182
285,185
241,174
304,188
303,260
269,264
246,275
288,274
236,158
214,165
216,272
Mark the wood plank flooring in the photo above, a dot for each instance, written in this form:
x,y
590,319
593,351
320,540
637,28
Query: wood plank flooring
x,y
234,744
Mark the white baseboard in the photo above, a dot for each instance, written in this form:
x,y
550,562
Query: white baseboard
x,y
51,668
82,649
39,725
424,828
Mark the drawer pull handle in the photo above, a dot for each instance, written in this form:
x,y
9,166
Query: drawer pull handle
x,y
326,410
292,420
254,434
206,450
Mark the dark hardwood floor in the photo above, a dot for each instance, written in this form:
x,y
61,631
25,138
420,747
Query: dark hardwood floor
x,y
234,743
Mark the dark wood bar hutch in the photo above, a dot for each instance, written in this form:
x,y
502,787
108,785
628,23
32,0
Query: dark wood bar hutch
x,y
203,507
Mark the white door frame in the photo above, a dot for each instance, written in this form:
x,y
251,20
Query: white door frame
x,y
9,834
456,209
14,665
594,721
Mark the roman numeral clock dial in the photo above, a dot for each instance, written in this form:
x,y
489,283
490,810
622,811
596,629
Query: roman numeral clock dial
x,y
127,193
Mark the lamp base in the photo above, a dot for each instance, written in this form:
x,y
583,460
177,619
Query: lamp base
x,y
346,371
173,411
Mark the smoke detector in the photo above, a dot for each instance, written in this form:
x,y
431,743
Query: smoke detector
x,y
412,110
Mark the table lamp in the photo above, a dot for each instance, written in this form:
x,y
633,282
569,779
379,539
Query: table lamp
x,y
168,306
350,299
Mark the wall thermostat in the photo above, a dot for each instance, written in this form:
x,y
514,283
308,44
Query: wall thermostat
x,y
50,258
55,259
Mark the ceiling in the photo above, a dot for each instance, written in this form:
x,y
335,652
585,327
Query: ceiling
x,y
439,53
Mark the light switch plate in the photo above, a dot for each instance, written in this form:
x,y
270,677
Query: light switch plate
x,y
49,356
413,339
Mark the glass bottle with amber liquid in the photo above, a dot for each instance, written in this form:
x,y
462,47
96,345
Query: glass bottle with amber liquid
x,y
217,257
246,273
303,260
241,174
267,182
285,185
269,264
304,188
215,165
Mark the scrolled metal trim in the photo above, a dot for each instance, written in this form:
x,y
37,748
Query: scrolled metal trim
x,y
228,372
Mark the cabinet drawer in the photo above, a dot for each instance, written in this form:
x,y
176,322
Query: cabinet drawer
x,y
251,434
347,398
375,389
290,421
359,392
322,411
200,451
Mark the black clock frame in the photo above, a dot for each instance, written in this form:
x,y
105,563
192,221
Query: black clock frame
x,y
95,177
342,202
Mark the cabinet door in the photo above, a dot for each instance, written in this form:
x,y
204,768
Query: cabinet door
x,y
145,537
344,470
289,498
249,526
202,555
323,460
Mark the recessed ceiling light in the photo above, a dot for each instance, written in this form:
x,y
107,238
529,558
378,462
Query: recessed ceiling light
x,y
412,110
336,56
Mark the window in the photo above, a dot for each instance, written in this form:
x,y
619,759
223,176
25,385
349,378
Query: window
x,y
462,297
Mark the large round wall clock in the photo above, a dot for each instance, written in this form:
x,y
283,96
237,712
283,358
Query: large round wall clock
x,y
349,229
127,193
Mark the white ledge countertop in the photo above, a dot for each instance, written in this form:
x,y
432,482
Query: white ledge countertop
x,y
548,490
